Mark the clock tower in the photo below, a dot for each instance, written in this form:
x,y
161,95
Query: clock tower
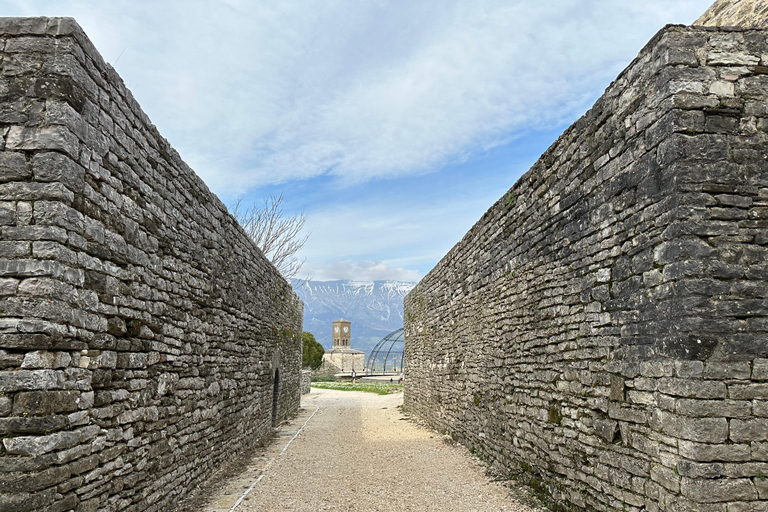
x,y
341,333
342,359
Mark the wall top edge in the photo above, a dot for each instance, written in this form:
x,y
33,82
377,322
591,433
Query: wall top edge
x,y
40,25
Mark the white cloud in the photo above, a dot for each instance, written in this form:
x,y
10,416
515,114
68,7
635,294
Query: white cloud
x,y
262,92
357,270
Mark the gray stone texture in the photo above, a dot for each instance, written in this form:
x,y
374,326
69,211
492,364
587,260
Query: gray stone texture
x,y
736,13
141,331
601,333
306,382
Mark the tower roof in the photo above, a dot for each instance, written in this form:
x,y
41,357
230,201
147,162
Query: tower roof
x,y
736,13
342,320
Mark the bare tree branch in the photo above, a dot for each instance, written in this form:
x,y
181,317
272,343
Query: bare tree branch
x,y
279,237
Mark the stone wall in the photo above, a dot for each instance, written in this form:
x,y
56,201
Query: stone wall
x,y
143,336
306,381
601,333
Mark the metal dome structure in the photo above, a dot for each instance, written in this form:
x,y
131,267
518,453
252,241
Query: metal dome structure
x,y
387,356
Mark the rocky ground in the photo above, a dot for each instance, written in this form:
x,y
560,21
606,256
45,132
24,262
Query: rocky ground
x,y
359,452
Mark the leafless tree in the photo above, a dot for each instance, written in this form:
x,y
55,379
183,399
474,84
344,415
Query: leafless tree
x,y
279,237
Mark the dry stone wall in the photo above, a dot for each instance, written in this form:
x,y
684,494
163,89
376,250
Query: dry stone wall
x,y
602,332
144,339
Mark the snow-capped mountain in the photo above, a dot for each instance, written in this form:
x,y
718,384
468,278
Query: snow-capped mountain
x,y
375,308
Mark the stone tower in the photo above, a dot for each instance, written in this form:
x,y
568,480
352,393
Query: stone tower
x,y
342,358
341,333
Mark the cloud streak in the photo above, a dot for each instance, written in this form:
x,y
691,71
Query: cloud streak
x,y
262,92
359,271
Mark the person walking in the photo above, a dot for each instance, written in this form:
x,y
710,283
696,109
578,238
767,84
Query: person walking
x,y
354,375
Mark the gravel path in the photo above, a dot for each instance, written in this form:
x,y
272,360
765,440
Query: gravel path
x,y
359,453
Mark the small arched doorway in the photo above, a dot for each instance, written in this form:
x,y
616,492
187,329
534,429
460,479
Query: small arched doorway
x,y
275,397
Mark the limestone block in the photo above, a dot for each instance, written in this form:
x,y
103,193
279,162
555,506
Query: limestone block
x,y
13,167
748,391
749,430
38,445
692,388
45,359
53,137
714,408
722,88
44,403
6,405
722,58
20,380
10,359
7,214
712,491
760,369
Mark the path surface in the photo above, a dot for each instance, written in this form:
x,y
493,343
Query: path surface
x,y
358,452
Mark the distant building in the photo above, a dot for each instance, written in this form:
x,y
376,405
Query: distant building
x,y
342,358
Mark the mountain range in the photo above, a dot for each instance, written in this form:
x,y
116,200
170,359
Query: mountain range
x,y
375,308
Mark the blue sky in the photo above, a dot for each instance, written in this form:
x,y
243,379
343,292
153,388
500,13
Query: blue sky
x,y
394,125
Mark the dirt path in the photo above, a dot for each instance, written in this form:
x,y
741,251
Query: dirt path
x,y
357,452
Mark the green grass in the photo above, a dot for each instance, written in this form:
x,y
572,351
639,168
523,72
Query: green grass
x,y
380,388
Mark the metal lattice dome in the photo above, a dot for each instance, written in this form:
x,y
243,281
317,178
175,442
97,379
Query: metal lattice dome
x,y
387,355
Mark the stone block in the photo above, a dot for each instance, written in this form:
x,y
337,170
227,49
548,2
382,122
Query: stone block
x,y
44,403
27,502
45,359
748,506
749,430
7,214
735,370
725,58
6,405
57,167
665,477
759,451
690,388
760,369
689,369
13,167
132,360
748,391
720,490
714,408
56,138
702,430
24,482
29,380
10,359
696,470
37,445
722,88
32,424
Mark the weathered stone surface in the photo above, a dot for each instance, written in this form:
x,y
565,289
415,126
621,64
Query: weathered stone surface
x,y
38,445
44,403
44,359
749,430
54,137
736,13
13,167
143,336
601,331
29,380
